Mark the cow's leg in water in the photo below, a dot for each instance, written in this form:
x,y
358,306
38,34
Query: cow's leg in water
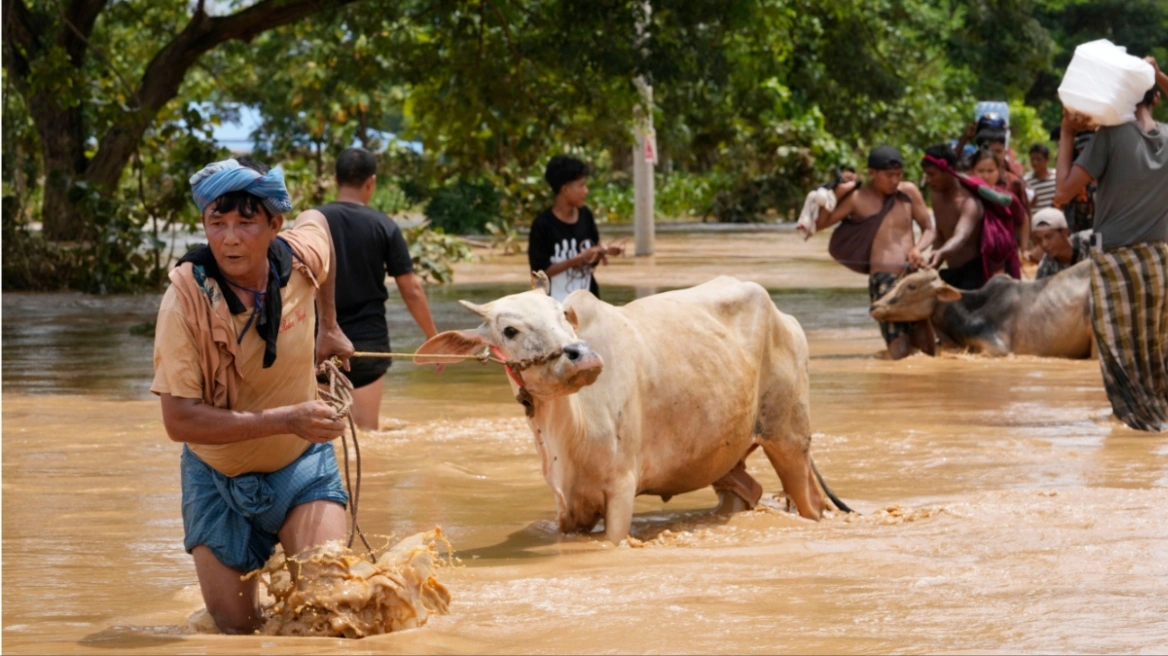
x,y
618,509
792,462
923,337
737,490
786,439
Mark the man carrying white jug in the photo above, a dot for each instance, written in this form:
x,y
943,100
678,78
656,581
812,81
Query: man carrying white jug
x,y
1129,275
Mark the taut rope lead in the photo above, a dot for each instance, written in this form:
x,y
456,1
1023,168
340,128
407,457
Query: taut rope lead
x,y
484,357
339,396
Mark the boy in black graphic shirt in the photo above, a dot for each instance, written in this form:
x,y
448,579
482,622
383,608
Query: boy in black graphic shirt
x,y
564,242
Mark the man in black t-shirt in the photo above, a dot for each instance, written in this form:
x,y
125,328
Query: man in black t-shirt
x,y
564,242
369,246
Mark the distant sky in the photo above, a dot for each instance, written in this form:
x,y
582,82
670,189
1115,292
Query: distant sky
x,y
237,135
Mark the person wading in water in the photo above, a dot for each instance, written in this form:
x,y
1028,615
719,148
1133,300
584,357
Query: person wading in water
x,y
257,463
959,216
876,238
1129,259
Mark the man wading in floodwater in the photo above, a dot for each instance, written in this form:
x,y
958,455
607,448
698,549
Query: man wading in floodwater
x,y
1129,262
234,367
876,238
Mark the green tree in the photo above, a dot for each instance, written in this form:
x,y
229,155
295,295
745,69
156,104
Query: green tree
x,y
1139,25
91,71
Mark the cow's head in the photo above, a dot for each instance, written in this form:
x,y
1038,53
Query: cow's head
x,y
914,297
526,327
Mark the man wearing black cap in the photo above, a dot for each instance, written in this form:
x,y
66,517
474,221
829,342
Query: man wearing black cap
x,y
876,238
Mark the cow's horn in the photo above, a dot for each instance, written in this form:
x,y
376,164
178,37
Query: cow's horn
x,y
481,310
539,280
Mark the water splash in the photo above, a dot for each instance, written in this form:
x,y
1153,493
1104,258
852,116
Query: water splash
x,y
339,593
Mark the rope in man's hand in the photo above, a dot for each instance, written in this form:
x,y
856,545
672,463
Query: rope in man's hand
x,y
339,396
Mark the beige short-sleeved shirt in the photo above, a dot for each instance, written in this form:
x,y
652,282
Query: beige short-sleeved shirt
x,y
290,380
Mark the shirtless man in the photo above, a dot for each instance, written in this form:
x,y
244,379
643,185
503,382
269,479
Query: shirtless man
x,y
895,205
959,217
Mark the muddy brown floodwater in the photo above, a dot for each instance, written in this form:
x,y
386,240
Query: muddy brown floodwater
x,y
1001,509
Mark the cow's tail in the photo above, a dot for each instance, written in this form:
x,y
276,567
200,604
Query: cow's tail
x,y
843,507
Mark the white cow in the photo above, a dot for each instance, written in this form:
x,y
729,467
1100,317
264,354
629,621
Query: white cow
x,y
693,380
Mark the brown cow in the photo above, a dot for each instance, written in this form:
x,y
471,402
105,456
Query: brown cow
x,y
1048,317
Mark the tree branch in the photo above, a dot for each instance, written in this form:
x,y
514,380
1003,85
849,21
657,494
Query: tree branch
x,y
506,32
166,71
19,40
130,95
80,16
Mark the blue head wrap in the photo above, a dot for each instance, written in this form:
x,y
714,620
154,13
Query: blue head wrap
x,y
229,175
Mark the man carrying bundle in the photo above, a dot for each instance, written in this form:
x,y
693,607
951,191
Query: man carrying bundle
x,y
1129,275
876,237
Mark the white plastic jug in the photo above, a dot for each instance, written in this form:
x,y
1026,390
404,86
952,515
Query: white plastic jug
x,y
1106,83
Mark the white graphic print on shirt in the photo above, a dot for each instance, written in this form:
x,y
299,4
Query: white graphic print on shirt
x,y
569,280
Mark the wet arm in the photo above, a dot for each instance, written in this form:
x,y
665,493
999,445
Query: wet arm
x,y
331,340
842,211
962,232
1023,234
1069,178
970,133
1161,77
920,214
195,422
191,420
844,188
414,296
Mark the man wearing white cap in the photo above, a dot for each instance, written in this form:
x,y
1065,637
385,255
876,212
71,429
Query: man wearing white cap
x,y
1061,249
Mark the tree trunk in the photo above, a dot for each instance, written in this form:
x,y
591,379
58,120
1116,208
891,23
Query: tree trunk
x,y
62,150
362,129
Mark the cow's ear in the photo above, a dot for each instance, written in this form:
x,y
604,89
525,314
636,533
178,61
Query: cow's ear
x,y
948,294
451,342
573,320
483,311
539,280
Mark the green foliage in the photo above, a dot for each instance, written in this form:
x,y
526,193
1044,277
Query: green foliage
x,y
755,102
1026,129
504,238
388,197
434,253
464,207
1138,25
684,196
611,198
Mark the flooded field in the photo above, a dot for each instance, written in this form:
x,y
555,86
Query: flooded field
x,y
1001,509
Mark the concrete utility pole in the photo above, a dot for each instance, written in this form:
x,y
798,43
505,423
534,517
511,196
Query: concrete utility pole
x,y
644,154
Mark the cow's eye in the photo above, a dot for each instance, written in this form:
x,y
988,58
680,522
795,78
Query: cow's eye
x,y
510,332
912,287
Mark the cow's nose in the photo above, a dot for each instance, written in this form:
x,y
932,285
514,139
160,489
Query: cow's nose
x,y
573,352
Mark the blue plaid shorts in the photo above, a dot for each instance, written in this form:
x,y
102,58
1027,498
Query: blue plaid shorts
x,y
238,517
